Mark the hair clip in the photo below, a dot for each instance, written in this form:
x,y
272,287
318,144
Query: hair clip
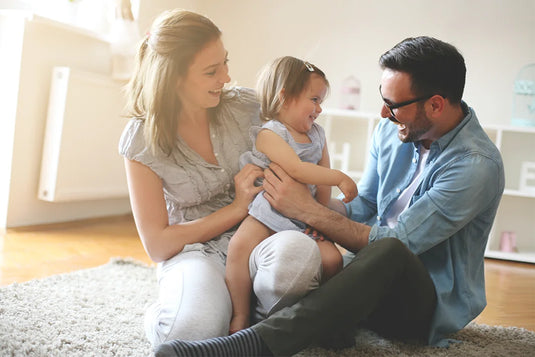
x,y
308,66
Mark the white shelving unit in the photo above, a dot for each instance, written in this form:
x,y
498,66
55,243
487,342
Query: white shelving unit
x,y
349,137
516,213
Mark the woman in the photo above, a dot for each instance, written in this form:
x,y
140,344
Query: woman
x,y
187,193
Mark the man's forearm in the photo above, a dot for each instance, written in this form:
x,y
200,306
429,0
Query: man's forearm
x,y
293,199
340,229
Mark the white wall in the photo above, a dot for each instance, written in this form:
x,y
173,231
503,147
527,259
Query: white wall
x,y
149,9
343,37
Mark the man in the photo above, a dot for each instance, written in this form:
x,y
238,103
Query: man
x,y
418,228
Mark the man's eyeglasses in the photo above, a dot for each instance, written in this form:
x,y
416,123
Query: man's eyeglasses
x,y
393,106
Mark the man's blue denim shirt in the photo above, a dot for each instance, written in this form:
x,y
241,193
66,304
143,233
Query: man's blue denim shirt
x,y
450,216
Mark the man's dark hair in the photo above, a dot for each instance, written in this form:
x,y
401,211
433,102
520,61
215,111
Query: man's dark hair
x,y
435,67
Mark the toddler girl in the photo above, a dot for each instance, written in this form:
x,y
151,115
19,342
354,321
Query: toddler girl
x,y
291,92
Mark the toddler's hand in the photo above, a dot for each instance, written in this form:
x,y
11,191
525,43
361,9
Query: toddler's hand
x,y
316,234
348,188
238,323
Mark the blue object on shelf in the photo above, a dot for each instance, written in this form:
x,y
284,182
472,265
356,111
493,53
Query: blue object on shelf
x,y
524,97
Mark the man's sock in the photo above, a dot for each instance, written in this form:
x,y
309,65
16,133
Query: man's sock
x,y
245,343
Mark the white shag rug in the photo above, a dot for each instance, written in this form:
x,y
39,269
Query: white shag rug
x,y
99,312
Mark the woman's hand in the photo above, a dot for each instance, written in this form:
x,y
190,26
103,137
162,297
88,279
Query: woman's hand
x,y
244,185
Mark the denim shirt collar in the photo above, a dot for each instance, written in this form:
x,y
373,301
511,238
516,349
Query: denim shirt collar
x,y
439,145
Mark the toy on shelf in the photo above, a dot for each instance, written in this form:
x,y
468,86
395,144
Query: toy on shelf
x,y
524,97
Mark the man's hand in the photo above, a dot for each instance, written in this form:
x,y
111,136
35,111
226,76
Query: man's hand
x,y
291,198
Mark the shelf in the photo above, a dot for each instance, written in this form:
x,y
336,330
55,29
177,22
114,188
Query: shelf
x,y
510,128
516,214
513,256
517,193
349,113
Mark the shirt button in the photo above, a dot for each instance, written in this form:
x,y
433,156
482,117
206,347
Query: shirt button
x,y
398,190
216,154
222,170
213,136
378,218
414,160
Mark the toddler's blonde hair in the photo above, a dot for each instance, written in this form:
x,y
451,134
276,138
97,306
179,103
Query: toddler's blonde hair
x,y
288,75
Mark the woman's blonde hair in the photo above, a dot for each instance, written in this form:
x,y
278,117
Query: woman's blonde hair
x,y
163,57
282,81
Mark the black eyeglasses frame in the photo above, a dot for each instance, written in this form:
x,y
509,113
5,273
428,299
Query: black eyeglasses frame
x,y
393,106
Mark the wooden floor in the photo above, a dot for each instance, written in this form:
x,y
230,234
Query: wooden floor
x,y
39,251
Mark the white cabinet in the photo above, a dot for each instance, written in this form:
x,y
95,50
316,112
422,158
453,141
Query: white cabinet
x,y
349,136
516,215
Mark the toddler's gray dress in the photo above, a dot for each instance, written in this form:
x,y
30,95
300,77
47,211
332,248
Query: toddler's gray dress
x,y
307,152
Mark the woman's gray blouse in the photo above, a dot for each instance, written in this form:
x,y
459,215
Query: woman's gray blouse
x,y
194,188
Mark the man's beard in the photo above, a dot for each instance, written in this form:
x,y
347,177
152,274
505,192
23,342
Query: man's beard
x,y
420,126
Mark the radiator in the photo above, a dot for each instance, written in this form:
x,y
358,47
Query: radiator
x,y
84,122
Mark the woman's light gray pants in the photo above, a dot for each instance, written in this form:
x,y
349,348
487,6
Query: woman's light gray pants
x,y
194,302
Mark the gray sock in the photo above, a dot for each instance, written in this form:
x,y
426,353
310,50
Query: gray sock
x,y
244,343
